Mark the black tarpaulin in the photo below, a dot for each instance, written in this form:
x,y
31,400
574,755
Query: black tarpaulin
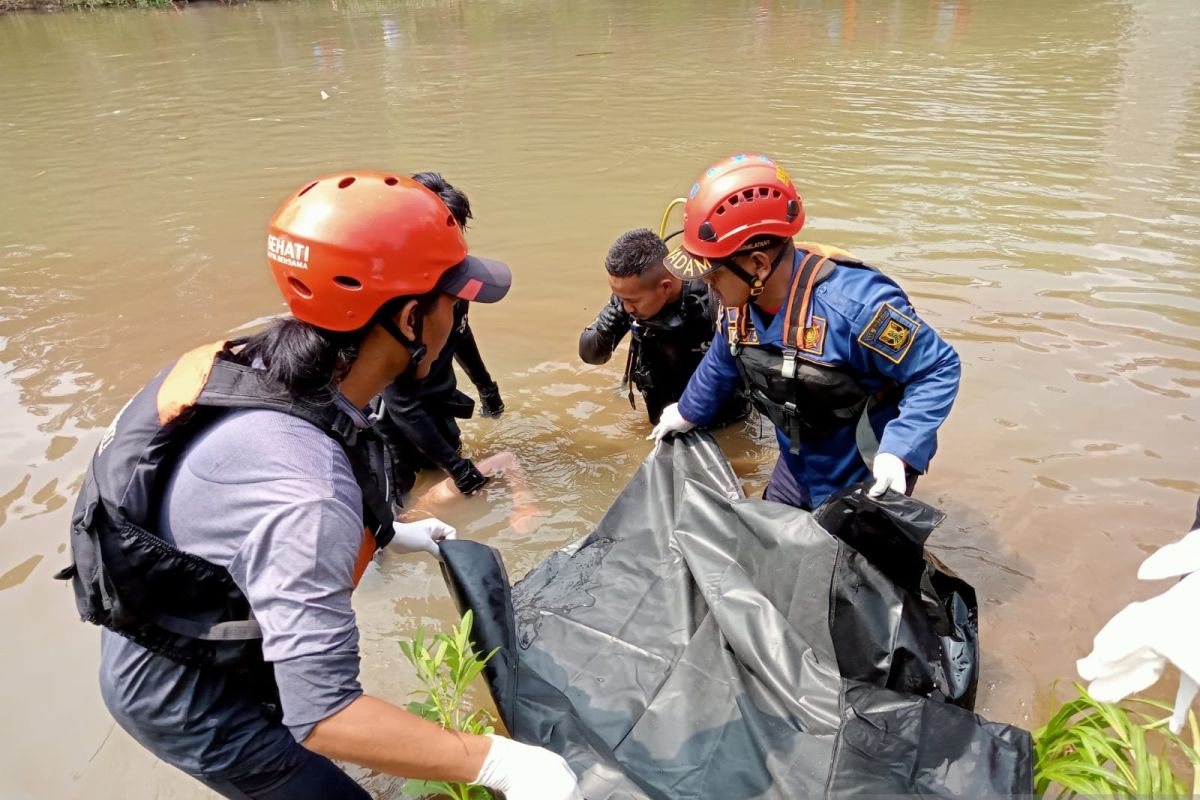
x,y
700,645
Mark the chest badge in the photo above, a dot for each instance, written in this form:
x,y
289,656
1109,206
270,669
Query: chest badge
x,y
814,337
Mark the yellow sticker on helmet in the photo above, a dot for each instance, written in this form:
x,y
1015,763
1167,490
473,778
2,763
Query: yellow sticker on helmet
x,y
781,174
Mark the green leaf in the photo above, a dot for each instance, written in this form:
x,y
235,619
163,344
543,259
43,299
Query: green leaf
x,y
419,639
1063,715
1188,753
1145,701
1170,786
1141,765
1109,750
479,793
1070,780
416,788
1195,729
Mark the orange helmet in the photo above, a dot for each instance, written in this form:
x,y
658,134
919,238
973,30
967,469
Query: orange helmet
x,y
346,244
735,204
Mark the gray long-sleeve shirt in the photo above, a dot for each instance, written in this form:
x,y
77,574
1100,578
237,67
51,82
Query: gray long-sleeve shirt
x,y
272,499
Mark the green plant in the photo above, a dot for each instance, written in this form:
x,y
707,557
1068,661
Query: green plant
x,y
447,665
1111,750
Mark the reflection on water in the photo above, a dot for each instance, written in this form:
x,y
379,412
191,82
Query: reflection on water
x,y
1026,169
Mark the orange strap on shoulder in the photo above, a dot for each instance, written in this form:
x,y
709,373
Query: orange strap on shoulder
x,y
827,250
803,282
186,380
366,552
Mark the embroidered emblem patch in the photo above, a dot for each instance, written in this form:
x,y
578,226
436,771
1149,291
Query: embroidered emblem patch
x,y
731,323
733,330
890,333
814,337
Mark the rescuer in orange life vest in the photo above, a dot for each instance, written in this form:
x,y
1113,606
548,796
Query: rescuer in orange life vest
x,y
234,503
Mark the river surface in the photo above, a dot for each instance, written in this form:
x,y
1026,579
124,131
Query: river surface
x,y
1027,169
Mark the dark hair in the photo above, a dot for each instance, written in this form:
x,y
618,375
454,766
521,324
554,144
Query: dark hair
x,y
634,253
308,361
454,199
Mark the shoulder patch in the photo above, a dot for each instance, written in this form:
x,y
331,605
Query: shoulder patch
x,y
889,333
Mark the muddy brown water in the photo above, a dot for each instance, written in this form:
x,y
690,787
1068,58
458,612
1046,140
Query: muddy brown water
x,y
1028,170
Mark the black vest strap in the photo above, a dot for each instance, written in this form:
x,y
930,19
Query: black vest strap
x,y
233,385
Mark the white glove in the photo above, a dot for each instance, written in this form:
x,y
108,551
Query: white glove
x,y
889,473
424,534
670,422
523,772
1132,649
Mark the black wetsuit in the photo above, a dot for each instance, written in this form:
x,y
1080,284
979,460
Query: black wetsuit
x,y
420,423
665,349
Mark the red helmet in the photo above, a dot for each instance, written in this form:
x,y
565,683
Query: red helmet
x,y
346,244
735,203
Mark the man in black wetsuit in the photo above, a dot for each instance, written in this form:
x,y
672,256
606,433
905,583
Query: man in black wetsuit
x,y
420,423
671,322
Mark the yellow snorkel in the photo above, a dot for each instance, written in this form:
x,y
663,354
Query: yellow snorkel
x,y
666,217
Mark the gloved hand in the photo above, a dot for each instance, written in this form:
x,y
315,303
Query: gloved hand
x,y
669,423
490,404
889,472
424,534
468,478
1131,651
523,772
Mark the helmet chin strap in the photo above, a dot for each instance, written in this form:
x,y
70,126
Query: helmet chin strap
x,y
756,284
416,349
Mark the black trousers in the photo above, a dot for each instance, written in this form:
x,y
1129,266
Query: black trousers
x,y
783,487
307,776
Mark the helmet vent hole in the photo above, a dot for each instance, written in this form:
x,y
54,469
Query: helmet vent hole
x,y
305,190
720,211
748,194
346,282
300,288
391,181
344,182
764,192
734,200
776,194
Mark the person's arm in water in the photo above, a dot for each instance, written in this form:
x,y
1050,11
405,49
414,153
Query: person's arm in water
x,y
600,339
410,416
467,356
